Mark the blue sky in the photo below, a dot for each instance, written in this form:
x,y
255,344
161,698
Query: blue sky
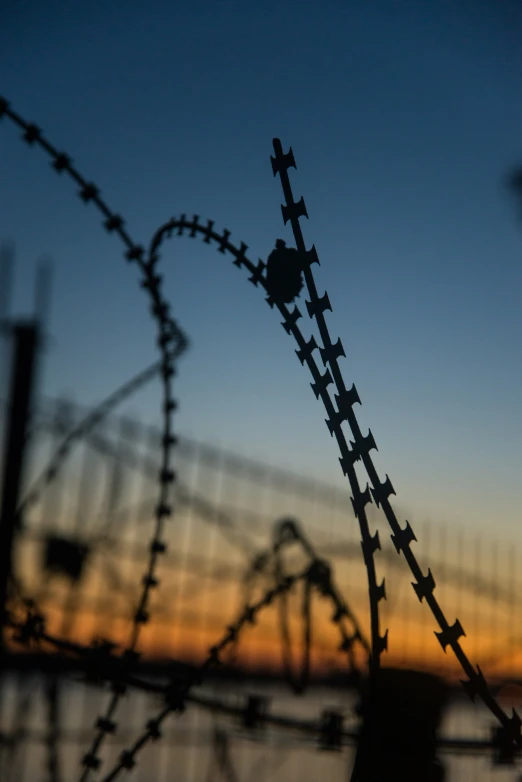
x,y
404,120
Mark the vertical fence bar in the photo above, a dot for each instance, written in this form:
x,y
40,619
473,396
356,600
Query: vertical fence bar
x,y
19,405
476,618
512,610
193,468
213,494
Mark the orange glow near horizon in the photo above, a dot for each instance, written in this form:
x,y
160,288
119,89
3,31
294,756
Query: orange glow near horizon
x,y
201,592
414,646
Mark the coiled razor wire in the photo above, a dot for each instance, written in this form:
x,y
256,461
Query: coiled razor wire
x,y
286,532
99,659
509,732
100,664
320,578
424,585
319,386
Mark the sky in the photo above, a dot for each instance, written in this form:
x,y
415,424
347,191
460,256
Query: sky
x,y
404,119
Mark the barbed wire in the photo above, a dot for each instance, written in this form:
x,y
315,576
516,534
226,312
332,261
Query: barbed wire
x,y
345,399
327,729
424,585
178,689
360,499
100,661
252,715
402,538
170,342
100,664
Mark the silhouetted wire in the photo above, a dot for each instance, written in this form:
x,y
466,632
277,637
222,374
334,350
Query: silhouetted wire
x,y
102,662
345,399
424,585
449,635
402,538
476,683
319,386
269,562
171,343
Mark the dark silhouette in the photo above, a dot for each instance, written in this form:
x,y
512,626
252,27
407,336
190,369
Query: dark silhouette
x,y
284,278
514,183
401,712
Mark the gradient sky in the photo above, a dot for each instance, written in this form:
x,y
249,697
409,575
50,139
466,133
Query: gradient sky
x,y
404,119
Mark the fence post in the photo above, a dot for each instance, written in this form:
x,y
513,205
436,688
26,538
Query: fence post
x,y
25,337
401,712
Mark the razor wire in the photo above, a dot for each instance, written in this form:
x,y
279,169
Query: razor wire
x,y
287,531
258,276
100,657
361,446
99,664
170,339
178,690
330,352
402,538
424,585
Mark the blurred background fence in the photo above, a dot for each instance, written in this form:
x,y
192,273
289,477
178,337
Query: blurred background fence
x,y
82,551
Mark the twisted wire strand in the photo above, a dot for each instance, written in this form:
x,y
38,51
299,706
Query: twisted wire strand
x,y
170,340
100,663
475,685
317,729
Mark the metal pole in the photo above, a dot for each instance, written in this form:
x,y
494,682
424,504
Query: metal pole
x,y
25,336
